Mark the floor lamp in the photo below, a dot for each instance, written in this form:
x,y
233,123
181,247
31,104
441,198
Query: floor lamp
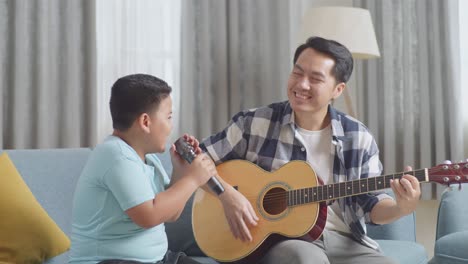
x,y
350,26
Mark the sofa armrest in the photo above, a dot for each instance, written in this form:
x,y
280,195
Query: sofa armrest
x,y
453,212
402,229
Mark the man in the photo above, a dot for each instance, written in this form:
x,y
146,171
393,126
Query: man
x,y
338,147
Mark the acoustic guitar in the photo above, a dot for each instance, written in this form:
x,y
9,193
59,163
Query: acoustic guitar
x,y
290,203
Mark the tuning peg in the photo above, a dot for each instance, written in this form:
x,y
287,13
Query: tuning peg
x,y
447,162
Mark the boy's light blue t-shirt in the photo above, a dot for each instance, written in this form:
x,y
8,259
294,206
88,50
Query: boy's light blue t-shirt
x,y
113,180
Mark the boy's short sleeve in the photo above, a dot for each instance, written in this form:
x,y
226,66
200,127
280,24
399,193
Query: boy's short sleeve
x,y
130,183
161,175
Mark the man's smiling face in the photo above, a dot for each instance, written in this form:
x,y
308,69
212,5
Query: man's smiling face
x,y
311,84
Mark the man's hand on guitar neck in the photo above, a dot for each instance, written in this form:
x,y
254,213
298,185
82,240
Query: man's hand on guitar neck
x,y
239,213
407,193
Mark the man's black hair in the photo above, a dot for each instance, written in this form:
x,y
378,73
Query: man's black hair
x,y
133,95
340,54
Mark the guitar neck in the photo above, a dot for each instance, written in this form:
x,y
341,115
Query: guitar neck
x,y
350,188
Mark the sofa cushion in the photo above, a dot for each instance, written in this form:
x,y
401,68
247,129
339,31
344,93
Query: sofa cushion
x,y
452,248
404,251
28,234
452,215
180,233
205,260
51,174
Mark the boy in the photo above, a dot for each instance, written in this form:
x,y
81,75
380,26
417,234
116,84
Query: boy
x,y
124,196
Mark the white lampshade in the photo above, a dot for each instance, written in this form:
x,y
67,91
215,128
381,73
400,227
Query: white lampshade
x,y
350,26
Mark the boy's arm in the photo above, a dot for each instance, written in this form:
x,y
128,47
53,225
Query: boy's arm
x,y
165,207
168,205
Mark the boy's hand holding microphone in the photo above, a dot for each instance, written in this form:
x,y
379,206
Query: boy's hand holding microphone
x,y
198,165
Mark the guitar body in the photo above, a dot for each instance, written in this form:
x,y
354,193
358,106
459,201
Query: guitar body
x,y
266,193
290,203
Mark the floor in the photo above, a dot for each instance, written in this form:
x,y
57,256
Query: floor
x,y
426,221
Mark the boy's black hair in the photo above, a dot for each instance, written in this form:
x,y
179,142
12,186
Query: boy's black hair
x,y
133,95
340,54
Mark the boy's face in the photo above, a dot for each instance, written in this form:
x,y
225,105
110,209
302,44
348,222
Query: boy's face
x,y
161,124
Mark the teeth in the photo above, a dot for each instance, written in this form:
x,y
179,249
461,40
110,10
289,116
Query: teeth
x,y
302,96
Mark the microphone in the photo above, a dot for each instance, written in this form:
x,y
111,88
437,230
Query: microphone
x,y
187,152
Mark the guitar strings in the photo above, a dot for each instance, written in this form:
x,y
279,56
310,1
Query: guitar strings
x,y
340,186
285,195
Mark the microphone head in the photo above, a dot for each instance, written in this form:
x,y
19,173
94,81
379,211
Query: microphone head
x,y
185,150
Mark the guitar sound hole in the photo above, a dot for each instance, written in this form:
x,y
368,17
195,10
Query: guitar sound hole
x,y
275,201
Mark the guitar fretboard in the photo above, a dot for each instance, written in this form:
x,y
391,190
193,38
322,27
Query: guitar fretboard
x,y
345,189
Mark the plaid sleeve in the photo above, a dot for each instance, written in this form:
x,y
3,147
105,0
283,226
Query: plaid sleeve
x,y
371,167
230,143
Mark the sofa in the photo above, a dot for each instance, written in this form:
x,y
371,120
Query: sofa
x,y
51,175
451,245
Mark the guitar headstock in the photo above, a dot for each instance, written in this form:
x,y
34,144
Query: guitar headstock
x,y
449,173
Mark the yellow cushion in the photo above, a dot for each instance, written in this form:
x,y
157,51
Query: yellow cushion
x,y
27,233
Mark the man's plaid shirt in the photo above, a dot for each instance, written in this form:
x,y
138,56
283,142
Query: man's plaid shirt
x,y
268,137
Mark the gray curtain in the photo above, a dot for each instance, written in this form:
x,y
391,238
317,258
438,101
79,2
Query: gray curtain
x,y
235,55
411,96
47,73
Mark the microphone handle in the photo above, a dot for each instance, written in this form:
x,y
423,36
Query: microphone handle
x,y
186,151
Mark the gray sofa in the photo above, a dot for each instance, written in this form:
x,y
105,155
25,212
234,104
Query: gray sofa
x,y
51,174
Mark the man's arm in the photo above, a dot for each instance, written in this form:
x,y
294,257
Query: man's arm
x,y
226,145
407,192
237,209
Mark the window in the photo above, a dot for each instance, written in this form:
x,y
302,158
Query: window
x,y
136,37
